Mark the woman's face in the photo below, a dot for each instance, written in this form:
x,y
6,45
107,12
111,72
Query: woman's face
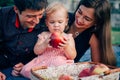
x,y
84,17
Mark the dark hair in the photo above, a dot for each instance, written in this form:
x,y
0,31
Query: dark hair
x,y
30,4
102,10
102,27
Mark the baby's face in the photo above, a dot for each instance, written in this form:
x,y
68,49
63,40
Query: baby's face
x,y
57,21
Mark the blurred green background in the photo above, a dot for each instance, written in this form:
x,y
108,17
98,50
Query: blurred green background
x,y
6,3
115,36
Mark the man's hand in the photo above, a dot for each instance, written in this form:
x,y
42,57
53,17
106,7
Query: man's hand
x,y
2,76
16,69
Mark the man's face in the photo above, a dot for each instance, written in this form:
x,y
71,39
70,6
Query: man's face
x,y
29,18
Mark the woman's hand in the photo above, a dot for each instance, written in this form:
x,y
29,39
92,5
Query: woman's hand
x,y
16,69
2,76
69,46
65,42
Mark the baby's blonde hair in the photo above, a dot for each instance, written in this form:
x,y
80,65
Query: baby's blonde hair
x,y
51,8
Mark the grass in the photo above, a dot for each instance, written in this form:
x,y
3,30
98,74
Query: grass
x,y
116,36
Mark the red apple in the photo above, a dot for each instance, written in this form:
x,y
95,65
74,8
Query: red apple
x,y
65,77
98,69
56,38
85,72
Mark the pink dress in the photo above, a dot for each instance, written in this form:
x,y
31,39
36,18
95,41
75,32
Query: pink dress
x,y
50,57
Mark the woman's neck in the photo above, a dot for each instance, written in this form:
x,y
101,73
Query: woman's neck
x,y
75,31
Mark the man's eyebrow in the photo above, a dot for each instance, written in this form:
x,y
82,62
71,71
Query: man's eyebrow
x,y
34,15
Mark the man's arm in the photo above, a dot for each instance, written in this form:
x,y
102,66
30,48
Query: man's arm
x,y
0,27
3,58
16,69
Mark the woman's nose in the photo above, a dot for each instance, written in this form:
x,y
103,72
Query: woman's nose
x,y
80,19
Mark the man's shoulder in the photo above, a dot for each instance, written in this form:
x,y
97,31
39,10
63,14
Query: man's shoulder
x,y
6,10
6,16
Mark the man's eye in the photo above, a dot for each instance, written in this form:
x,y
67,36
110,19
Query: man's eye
x,y
40,15
29,16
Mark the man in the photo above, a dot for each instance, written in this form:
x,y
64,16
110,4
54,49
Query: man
x,y
19,26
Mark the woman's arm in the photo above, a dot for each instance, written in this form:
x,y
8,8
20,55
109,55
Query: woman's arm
x,y
95,49
69,47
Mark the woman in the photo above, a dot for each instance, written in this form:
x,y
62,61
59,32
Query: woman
x,y
91,28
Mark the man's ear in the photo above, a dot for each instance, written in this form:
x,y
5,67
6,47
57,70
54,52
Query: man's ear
x,y
46,22
16,10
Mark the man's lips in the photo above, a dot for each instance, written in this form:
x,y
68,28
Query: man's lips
x,y
32,23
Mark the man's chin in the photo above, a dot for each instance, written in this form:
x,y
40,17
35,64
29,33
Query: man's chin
x,y
31,26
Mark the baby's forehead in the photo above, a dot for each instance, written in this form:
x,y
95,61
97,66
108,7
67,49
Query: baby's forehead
x,y
55,6
57,12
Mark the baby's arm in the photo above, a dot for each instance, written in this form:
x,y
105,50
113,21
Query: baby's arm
x,y
42,43
69,47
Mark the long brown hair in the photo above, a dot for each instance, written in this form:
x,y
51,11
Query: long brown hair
x,y
102,28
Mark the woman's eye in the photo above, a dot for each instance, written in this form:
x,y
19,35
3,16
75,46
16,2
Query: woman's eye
x,y
88,19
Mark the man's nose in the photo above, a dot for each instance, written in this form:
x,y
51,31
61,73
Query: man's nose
x,y
36,20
